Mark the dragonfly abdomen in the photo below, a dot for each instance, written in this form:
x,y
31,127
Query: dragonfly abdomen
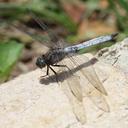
x,y
86,44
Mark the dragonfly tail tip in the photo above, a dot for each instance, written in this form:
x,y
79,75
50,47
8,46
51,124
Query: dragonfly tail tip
x,y
114,35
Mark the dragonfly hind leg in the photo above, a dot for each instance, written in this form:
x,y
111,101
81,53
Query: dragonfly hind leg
x,y
52,70
47,73
56,65
54,73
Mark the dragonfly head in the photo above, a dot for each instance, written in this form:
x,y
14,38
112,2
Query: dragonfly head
x,y
40,62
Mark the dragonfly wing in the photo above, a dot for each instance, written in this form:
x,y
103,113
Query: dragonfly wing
x,y
75,101
54,39
73,81
75,87
73,90
95,92
50,39
43,39
89,72
99,100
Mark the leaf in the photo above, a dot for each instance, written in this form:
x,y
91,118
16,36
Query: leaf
x,y
9,53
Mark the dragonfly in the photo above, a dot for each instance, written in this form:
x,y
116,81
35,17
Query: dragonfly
x,y
55,56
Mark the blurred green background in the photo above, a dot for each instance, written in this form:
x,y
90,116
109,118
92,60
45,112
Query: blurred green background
x,y
73,20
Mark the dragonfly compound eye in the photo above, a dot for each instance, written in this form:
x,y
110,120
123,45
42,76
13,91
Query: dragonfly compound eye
x,y
40,62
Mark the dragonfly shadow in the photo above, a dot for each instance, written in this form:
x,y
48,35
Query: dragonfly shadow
x,y
61,76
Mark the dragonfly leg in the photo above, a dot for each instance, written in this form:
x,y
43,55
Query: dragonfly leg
x,y
54,73
53,70
56,65
47,73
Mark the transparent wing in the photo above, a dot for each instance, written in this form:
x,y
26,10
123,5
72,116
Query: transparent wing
x,y
97,90
75,87
48,38
43,39
89,72
53,37
73,81
73,90
99,100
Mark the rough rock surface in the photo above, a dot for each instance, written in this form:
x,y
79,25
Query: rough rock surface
x,y
27,103
116,55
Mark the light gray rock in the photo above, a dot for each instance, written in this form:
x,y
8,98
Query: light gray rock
x,y
26,103
116,55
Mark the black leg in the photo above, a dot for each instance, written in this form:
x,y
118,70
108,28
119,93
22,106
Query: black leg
x,y
56,65
47,71
53,70
54,73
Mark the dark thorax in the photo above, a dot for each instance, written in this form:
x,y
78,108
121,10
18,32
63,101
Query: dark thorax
x,y
54,55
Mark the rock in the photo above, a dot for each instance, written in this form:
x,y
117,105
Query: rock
x,y
27,102
116,55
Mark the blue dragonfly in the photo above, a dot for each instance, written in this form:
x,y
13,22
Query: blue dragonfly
x,y
55,57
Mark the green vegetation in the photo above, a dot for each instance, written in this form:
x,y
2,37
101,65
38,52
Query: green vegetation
x,y
120,9
9,54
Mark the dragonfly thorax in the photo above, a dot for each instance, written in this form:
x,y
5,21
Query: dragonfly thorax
x,y
52,57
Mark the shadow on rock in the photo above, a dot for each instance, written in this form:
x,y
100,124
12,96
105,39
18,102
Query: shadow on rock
x,y
66,74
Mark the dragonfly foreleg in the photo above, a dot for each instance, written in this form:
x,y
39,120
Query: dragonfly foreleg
x,y
47,73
